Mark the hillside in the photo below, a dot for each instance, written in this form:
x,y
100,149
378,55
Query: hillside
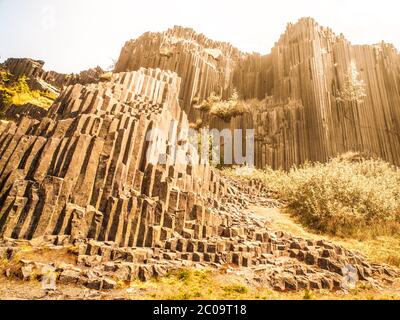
x,y
110,191
311,109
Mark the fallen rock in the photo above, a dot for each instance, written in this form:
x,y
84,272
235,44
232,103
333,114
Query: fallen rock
x,y
109,284
69,277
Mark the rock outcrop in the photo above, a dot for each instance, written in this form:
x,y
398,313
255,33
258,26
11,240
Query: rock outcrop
x,y
28,110
39,79
87,162
136,202
304,116
205,66
87,174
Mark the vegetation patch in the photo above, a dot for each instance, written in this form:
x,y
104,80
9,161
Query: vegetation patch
x,y
236,288
354,89
350,196
228,109
16,92
213,285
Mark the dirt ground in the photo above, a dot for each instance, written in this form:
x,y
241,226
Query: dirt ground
x,y
215,287
203,284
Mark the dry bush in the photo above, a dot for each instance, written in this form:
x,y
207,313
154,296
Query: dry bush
x,y
342,197
227,109
196,125
207,104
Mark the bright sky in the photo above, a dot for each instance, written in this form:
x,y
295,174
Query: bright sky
x,y
73,35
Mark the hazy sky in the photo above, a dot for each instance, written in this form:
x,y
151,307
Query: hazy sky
x,y
72,35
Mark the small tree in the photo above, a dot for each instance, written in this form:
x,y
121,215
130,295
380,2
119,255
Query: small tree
x,y
353,88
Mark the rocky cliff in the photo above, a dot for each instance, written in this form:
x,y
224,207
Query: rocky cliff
x,y
91,173
205,66
82,168
84,175
304,77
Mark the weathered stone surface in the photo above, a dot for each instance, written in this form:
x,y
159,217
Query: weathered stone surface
x,y
69,277
108,284
81,175
301,118
40,79
95,284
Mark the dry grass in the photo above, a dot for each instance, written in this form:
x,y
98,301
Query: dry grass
x,y
46,255
16,289
345,198
42,255
382,249
227,109
353,201
188,284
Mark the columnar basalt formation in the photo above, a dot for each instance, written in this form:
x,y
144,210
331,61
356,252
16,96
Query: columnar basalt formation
x,y
84,166
205,66
308,67
311,64
33,69
111,170
24,66
91,174
281,138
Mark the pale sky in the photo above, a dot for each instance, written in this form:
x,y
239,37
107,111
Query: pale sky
x,y
73,35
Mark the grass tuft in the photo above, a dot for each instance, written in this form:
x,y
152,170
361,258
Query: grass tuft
x,y
308,295
236,288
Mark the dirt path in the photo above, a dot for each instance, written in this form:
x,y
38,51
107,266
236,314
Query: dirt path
x,y
283,222
385,250
382,250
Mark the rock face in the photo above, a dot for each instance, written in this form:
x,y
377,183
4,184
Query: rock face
x,y
205,66
302,78
33,69
27,110
136,202
85,175
84,170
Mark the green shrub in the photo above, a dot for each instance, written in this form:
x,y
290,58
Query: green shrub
x,y
4,77
308,295
183,274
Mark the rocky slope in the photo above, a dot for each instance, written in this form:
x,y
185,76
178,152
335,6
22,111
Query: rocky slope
x,y
303,117
80,180
81,177
50,80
